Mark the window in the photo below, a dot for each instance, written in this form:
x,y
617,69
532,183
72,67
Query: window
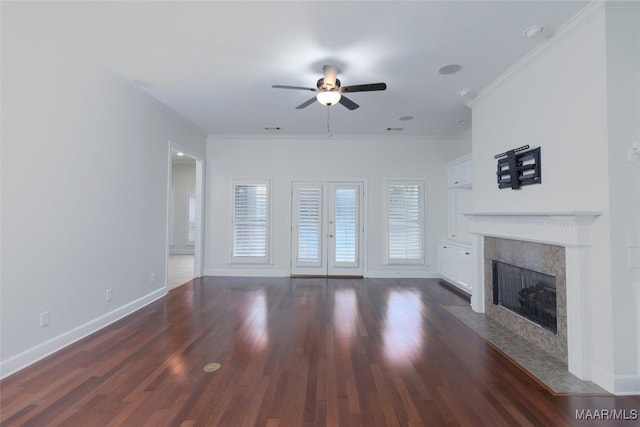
x,y
405,227
346,228
250,221
309,224
191,218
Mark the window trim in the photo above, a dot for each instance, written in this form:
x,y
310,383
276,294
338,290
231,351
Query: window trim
x,y
247,259
422,261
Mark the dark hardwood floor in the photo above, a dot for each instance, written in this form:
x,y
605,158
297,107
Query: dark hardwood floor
x,y
294,352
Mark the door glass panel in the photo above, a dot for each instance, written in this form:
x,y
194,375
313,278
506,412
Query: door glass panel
x,y
309,224
346,232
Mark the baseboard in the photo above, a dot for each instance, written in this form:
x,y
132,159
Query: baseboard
x,y
42,350
377,274
246,272
402,274
186,251
627,385
603,378
455,288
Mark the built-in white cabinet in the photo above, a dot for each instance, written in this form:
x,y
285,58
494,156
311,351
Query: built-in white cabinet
x,y
455,264
454,254
458,203
459,192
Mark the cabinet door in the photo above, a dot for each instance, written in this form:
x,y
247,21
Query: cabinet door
x,y
459,175
463,265
449,263
451,213
454,175
451,176
465,173
462,205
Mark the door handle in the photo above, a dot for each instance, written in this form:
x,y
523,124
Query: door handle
x,y
330,235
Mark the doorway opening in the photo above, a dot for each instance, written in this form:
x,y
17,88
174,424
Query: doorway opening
x,y
184,222
327,229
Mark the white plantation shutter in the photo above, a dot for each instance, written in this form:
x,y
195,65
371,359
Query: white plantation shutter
x,y
346,219
405,202
309,224
250,221
191,218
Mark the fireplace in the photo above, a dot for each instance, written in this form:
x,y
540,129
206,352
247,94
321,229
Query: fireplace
x,y
527,293
567,236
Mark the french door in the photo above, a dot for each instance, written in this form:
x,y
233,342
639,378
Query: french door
x,y
326,228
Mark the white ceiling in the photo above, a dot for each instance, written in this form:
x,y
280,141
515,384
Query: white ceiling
x,y
214,62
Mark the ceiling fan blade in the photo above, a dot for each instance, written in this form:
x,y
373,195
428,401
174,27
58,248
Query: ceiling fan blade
x,y
306,103
348,103
364,88
294,87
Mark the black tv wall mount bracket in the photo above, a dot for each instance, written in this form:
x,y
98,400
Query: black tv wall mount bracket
x,y
517,167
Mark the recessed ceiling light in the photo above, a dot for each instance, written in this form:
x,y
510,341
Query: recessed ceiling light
x,y
534,31
405,118
450,69
395,129
180,153
466,94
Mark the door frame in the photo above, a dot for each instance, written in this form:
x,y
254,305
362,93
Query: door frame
x,y
363,220
198,257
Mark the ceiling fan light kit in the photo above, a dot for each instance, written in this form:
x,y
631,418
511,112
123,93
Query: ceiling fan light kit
x,y
328,98
329,91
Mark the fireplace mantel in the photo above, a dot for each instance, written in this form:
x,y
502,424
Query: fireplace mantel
x,y
560,228
569,229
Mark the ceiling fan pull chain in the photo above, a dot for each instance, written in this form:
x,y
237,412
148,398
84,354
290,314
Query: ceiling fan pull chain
x,y
328,127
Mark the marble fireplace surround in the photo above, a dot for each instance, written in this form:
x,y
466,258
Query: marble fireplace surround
x,y
540,257
570,230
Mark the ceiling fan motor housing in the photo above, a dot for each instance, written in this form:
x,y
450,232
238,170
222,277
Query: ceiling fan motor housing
x,y
324,87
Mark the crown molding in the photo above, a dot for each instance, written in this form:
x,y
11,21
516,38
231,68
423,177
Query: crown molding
x,y
574,24
323,137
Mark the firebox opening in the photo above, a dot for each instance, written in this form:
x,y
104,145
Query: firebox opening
x,y
527,293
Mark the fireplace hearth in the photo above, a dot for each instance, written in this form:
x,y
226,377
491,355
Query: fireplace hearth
x,y
528,293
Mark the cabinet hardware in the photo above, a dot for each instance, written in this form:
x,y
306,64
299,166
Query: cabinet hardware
x,y
467,253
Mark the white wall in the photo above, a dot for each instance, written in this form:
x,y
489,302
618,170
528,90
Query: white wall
x,y
84,192
563,98
623,90
183,183
283,160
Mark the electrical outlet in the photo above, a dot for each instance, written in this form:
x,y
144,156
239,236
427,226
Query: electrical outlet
x,y
109,295
44,319
152,279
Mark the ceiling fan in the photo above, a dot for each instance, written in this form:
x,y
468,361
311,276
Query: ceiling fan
x,y
329,91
